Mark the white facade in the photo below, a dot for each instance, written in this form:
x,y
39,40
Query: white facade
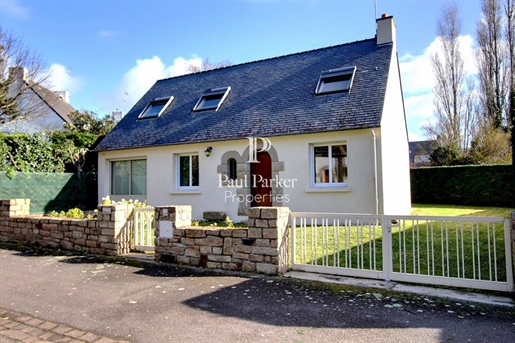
x,y
293,185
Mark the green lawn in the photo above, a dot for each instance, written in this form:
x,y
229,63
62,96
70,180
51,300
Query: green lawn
x,y
453,210
439,248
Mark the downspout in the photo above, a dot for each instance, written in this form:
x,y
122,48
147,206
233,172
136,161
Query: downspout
x,y
376,191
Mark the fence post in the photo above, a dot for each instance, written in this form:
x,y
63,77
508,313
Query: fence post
x,y
270,223
386,225
167,219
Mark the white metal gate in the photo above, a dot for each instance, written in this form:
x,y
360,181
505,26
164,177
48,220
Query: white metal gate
x,y
143,224
469,252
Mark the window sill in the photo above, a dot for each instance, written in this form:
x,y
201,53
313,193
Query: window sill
x,y
328,190
186,191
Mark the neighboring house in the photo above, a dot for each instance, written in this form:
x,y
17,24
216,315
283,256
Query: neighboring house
x,y
327,127
420,153
48,110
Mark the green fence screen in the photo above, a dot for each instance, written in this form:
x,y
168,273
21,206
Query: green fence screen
x,y
51,191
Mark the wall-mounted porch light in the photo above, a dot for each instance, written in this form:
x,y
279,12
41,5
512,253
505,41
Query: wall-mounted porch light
x,y
208,151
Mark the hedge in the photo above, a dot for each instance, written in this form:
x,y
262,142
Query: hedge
x,y
485,185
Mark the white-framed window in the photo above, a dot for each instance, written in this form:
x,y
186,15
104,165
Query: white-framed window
x,y
188,171
212,99
129,177
155,108
329,165
335,80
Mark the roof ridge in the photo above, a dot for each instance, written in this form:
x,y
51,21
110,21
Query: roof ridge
x,y
268,59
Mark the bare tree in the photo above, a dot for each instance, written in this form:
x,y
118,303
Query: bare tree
x,y
207,65
493,63
20,71
454,103
509,10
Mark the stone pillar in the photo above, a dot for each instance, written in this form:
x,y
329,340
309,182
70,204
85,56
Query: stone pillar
x,y
14,207
270,223
167,219
115,221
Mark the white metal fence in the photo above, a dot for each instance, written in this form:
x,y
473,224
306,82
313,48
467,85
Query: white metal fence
x,y
470,252
143,224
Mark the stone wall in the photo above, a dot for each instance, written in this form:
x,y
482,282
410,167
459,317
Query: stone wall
x,y
262,247
109,234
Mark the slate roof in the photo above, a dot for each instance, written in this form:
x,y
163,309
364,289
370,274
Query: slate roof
x,y
54,102
270,97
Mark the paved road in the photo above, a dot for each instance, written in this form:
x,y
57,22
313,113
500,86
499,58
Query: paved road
x,y
157,304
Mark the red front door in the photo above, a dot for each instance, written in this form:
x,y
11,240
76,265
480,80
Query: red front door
x,y
261,177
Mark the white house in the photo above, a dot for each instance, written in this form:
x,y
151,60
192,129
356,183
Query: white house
x,y
47,110
322,130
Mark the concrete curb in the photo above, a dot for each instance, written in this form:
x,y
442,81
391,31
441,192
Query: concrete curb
x,y
405,288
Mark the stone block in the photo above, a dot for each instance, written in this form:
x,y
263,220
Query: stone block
x,y
192,252
104,239
110,246
184,259
227,246
269,213
254,232
254,212
263,243
189,241
195,233
248,266
199,241
213,265
226,233
241,256
270,233
214,241
266,268
261,223
214,215
240,233
56,234
242,248
219,258
265,251
206,250
176,250
256,258
231,266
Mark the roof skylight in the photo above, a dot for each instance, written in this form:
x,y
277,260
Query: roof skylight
x,y
335,80
212,99
155,108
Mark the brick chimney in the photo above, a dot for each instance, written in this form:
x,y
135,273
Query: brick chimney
x,y
386,30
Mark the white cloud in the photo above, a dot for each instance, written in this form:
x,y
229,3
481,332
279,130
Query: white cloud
x,y
417,82
104,34
138,80
61,79
14,8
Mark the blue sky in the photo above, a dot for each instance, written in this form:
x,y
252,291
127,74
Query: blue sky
x,y
101,50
